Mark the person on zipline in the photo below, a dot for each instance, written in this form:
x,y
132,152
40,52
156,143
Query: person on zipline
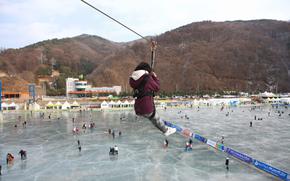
x,y
145,82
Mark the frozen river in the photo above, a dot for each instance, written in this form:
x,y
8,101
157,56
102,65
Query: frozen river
x,y
53,154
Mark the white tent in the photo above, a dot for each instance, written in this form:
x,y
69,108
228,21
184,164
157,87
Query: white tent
x,y
267,94
245,100
285,100
119,103
112,104
131,103
4,106
163,104
126,104
75,104
204,101
34,106
65,105
218,101
123,104
13,106
195,102
104,105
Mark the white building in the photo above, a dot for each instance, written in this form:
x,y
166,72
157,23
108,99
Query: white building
x,y
81,88
70,85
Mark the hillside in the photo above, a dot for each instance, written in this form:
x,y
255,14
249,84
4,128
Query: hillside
x,y
205,56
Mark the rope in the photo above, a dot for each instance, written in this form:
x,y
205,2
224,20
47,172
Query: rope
x,y
116,20
153,43
153,51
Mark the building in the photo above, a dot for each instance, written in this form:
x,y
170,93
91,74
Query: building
x,y
22,95
18,90
81,88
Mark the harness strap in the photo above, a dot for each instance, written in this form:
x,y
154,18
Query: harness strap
x,y
139,92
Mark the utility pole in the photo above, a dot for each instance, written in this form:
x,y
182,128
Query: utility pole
x,y
41,58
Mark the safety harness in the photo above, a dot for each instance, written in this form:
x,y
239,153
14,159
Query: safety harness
x,y
139,92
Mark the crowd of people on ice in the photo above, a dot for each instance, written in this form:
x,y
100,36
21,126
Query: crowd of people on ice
x,y
113,151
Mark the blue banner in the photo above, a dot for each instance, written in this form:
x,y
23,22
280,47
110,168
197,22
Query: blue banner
x,y
200,138
31,89
273,171
260,165
239,155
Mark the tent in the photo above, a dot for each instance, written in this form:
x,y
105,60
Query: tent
x,y
65,105
75,104
119,103
112,104
285,100
49,105
195,102
163,104
4,106
12,106
267,94
122,104
126,104
104,105
57,105
34,106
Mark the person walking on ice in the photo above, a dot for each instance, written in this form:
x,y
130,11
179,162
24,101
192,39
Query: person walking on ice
x,y
145,82
165,144
227,163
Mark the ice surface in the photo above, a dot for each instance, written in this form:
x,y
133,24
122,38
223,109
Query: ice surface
x,y
53,154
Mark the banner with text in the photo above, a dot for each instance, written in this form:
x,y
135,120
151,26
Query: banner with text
x,y
211,143
274,171
178,129
239,155
200,138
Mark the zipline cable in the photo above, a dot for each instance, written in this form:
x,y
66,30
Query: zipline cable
x,y
116,20
153,43
153,51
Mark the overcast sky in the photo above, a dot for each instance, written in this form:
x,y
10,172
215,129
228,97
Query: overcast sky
x,y
23,22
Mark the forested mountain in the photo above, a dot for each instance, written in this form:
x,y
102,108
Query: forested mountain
x,y
204,56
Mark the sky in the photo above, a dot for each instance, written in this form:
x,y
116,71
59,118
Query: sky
x,y
23,22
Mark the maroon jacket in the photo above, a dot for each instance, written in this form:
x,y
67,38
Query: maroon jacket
x,y
144,105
